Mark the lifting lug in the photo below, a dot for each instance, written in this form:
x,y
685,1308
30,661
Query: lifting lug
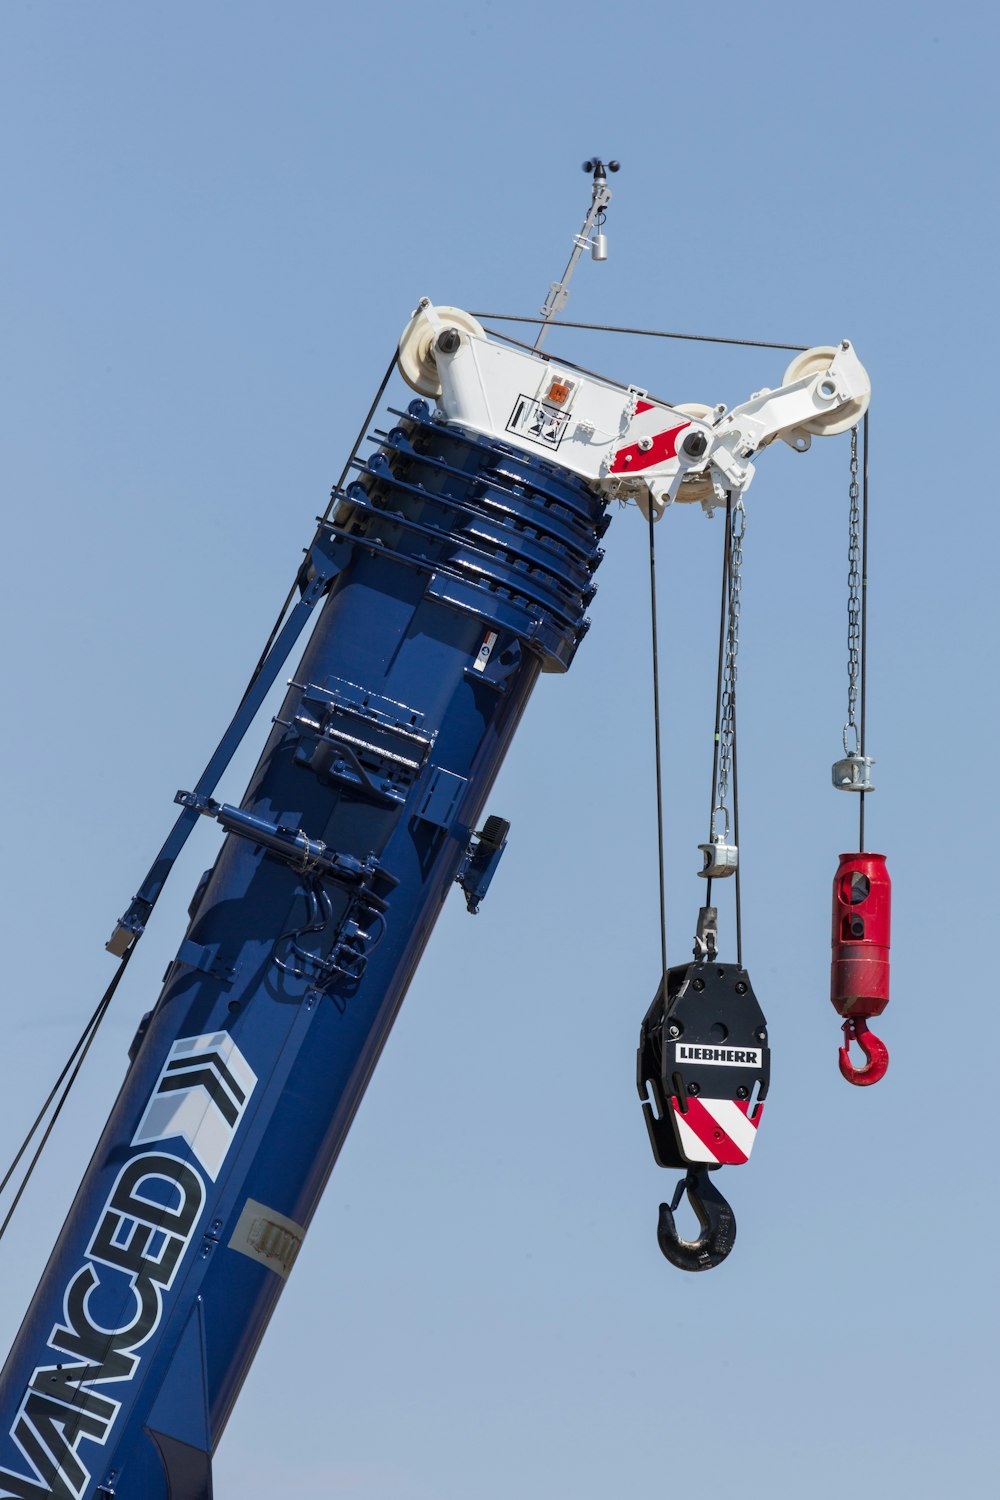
x,y
718,1225
706,937
855,1029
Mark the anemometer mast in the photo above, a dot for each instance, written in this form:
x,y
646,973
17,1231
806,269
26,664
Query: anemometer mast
x,y
558,294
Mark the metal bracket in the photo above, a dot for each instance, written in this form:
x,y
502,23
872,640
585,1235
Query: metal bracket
x,y
207,959
327,556
706,937
306,855
439,803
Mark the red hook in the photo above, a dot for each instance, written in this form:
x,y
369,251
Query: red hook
x,y
855,1029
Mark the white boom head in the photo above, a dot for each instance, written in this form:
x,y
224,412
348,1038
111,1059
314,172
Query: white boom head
x,y
613,435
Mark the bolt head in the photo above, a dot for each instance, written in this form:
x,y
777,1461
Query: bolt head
x,y
449,340
693,1089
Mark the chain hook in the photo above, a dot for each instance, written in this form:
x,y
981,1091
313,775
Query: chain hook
x,y
717,1220
855,1029
712,834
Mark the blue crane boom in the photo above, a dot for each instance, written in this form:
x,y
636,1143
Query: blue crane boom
x,y
455,571
455,568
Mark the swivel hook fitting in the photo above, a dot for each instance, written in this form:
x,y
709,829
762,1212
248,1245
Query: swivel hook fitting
x,y
855,1029
717,1220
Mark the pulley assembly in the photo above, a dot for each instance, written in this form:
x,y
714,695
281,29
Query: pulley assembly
x,y
703,1072
703,1065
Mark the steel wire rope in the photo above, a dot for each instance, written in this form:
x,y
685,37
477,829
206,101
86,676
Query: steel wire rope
x,y
659,766
718,681
334,495
736,838
70,1072
647,333
735,757
568,364
77,1056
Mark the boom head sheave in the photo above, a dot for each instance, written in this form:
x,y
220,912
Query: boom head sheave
x,y
614,436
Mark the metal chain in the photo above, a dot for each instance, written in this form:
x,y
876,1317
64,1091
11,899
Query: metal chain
x,y
853,604
727,723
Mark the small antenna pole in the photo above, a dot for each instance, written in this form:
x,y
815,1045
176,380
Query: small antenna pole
x,y
600,198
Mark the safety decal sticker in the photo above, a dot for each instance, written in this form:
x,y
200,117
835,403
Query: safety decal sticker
x,y
538,422
200,1096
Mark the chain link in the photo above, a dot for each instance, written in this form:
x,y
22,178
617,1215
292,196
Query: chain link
x,y
727,718
853,604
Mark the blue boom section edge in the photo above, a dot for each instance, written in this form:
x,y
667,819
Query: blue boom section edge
x,y
466,568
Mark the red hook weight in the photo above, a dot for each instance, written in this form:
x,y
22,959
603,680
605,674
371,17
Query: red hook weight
x,y
876,1053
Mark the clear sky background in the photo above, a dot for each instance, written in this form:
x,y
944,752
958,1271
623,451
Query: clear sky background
x,y
218,217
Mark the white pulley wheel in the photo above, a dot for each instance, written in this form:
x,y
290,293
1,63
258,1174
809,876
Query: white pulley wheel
x,y
840,418
417,364
695,486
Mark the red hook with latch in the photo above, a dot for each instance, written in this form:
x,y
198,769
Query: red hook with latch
x,y
855,1029
859,972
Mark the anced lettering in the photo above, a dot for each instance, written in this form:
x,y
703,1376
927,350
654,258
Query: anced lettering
x,y
141,1238
61,1406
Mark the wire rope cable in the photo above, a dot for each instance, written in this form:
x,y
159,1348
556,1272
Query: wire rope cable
x,y
658,754
63,1083
718,679
60,1091
736,837
334,495
647,333
568,364
732,647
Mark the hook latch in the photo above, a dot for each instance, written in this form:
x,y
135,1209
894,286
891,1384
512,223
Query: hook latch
x,y
855,1029
716,1218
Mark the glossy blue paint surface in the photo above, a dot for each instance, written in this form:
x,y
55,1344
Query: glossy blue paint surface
x,y
468,570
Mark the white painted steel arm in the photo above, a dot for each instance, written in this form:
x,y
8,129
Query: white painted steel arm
x,y
615,436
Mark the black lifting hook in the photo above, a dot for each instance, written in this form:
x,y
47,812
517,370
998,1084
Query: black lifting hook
x,y
717,1220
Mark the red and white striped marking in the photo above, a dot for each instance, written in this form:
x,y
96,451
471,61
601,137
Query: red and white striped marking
x,y
662,446
716,1130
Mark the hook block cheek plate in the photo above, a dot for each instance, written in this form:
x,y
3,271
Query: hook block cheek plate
x,y
716,1132
704,1067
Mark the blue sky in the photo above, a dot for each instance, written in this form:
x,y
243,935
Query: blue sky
x,y
218,218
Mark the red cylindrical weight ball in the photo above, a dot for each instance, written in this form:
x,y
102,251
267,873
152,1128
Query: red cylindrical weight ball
x,y
862,902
